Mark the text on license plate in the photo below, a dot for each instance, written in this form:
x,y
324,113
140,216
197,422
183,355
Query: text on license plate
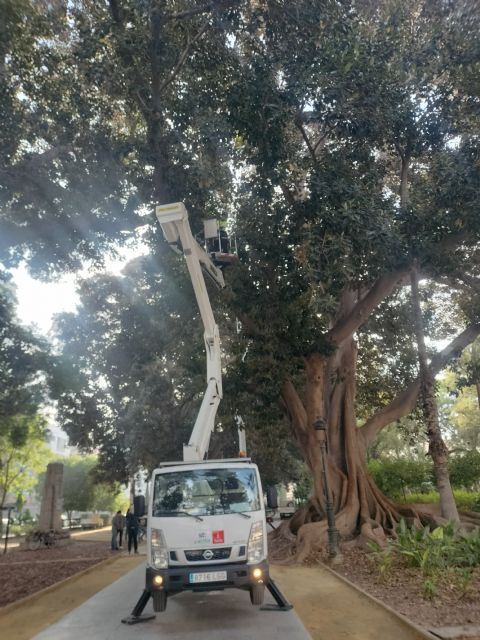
x,y
210,576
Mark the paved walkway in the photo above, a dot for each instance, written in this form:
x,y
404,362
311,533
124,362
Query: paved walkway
x,y
331,609
91,607
218,615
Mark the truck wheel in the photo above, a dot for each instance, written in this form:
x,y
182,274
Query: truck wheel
x,y
257,594
159,601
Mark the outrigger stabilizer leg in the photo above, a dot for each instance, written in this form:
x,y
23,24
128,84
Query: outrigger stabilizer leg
x,y
282,603
136,616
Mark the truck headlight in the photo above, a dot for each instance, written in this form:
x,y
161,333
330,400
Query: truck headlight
x,y
255,543
158,548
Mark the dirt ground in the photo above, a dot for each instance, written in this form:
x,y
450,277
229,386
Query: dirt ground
x,y
23,572
43,610
456,602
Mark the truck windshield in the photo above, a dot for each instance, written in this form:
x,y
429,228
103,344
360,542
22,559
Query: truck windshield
x,y
204,492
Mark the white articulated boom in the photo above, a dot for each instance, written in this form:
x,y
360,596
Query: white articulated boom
x,y
173,219
206,518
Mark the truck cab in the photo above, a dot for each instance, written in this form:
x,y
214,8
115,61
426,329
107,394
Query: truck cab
x,y
206,530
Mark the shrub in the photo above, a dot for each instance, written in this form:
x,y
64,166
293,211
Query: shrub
x,y
465,500
303,487
444,553
440,549
397,478
465,470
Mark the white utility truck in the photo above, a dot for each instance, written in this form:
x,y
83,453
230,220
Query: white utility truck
x,y
206,518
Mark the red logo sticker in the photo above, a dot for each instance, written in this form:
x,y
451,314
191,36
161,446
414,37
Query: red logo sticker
x,y
218,537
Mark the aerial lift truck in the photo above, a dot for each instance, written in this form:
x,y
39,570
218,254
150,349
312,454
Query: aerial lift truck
x,y
206,518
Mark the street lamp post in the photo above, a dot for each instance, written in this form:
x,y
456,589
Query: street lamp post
x,y
333,534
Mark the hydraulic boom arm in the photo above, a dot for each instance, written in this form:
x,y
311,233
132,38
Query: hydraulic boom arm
x,y
173,219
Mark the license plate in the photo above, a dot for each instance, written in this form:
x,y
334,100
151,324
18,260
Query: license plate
x,y
211,576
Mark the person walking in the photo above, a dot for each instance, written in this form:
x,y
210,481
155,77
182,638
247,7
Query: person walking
x,y
131,521
120,526
114,533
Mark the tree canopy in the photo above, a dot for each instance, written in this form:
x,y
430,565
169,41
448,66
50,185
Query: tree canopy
x,y
23,455
23,359
340,140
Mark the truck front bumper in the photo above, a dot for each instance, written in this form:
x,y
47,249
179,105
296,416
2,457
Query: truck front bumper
x,y
176,579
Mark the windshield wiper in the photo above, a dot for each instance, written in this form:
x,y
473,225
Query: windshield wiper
x,y
174,513
190,515
241,513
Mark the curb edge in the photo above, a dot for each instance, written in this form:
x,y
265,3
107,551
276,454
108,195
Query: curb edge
x,y
409,623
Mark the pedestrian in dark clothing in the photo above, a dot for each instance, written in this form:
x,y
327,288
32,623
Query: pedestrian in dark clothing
x,y
131,521
120,526
114,534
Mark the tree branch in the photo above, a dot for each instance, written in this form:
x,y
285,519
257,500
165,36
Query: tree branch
x,y
116,11
294,406
311,149
29,161
183,56
453,241
189,12
288,195
405,402
470,281
360,312
321,141
455,348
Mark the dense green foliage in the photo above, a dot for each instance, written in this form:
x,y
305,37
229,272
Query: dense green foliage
x,y
465,500
23,455
465,470
23,360
443,555
300,125
396,478
25,367
459,404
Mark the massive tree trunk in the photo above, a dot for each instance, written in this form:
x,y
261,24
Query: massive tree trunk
x,y
436,449
362,511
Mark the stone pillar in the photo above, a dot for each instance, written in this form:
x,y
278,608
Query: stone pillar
x,y
52,501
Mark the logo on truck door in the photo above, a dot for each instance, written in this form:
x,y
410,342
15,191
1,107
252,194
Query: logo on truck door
x,y
218,537
203,537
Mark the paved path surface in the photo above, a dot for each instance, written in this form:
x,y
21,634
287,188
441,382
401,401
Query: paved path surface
x,y
219,615
91,606
331,609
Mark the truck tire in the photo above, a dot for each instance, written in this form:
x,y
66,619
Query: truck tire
x,y
159,601
257,594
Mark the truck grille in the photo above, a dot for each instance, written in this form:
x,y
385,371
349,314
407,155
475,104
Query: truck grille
x,y
204,555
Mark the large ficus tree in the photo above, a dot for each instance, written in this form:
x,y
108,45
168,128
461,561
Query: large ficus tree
x,y
112,107
350,129
108,107
360,164
129,382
